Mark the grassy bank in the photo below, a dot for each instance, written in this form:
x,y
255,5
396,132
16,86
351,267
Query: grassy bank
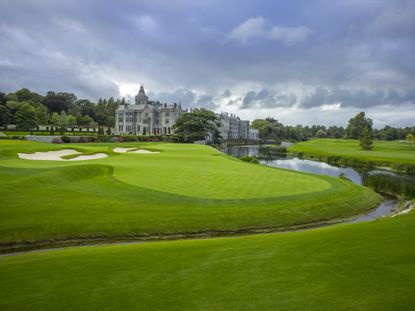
x,y
394,154
366,266
183,189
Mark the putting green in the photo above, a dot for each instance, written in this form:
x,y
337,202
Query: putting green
x,y
182,189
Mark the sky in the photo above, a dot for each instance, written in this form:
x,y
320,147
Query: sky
x,y
299,61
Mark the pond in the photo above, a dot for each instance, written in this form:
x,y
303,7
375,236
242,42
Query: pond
x,y
286,161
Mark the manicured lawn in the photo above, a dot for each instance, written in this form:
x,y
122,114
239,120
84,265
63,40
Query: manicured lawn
x,y
384,152
366,266
184,188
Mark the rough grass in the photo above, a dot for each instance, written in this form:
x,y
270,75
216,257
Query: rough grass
x,y
387,153
184,188
366,266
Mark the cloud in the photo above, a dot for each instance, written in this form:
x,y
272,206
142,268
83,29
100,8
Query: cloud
x,y
256,28
145,23
188,98
290,36
263,59
357,98
251,28
267,99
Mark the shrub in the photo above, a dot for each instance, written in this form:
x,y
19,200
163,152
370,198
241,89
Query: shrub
x,y
66,139
251,159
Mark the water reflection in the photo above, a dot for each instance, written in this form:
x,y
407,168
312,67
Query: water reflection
x,y
273,157
315,167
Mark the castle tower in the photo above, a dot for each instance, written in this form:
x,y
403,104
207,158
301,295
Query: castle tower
x,y
141,97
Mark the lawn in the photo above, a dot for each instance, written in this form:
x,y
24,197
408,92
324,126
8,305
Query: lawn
x,y
183,189
383,152
365,266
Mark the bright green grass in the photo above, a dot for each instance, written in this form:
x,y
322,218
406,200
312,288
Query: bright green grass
x,y
182,189
366,266
385,152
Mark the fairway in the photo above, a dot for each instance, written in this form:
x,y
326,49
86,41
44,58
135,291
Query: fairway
x,y
365,266
386,153
182,189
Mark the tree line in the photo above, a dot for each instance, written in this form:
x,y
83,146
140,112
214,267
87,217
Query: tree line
x,y
272,129
27,110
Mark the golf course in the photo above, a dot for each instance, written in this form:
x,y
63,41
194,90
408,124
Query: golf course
x,y
178,189
155,191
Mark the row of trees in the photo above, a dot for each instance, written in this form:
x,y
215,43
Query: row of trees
x,y
272,129
29,109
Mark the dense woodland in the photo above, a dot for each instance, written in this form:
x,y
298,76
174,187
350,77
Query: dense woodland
x,y
28,110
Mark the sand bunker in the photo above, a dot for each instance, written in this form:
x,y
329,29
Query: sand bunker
x,y
133,150
144,151
89,157
57,155
123,150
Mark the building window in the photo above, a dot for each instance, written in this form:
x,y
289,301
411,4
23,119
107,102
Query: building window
x,y
169,130
167,121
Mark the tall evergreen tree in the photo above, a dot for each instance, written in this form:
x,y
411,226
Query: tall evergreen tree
x,y
366,139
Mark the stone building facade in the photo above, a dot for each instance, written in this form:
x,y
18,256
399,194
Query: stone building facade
x,y
232,127
146,117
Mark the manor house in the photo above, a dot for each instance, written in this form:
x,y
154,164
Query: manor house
x,y
146,117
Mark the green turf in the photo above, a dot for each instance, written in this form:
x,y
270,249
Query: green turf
x,y
366,266
184,188
383,152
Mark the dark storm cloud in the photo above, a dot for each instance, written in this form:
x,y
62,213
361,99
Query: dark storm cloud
x,y
267,99
188,98
359,53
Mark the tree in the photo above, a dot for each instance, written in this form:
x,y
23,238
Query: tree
x,y
409,138
26,117
87,107
56,102
71,120
5,115
13,106
25,95
196,125
3,98
85,121
366,139
270,128
42,114
357,124
321,134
